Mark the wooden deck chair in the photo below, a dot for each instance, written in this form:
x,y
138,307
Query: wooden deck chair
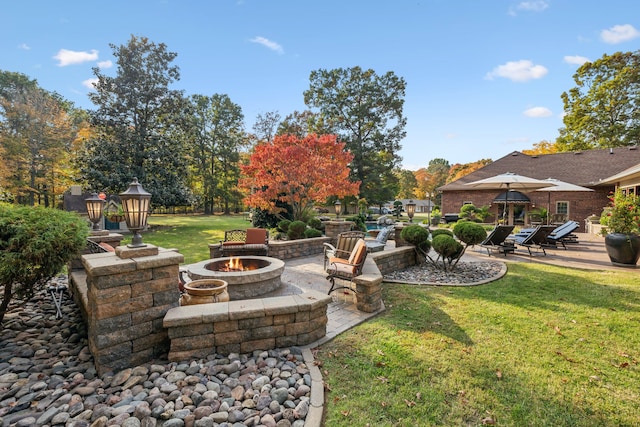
x,y
347,269
345,244
536,239
497,240
563,234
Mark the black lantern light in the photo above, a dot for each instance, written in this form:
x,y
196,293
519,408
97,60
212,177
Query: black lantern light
x,y
135,204
95,205
411,210
338,206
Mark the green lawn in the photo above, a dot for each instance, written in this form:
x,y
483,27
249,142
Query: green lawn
x,y
544,346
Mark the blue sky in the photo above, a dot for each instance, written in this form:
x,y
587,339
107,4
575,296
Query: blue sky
x,y
484,77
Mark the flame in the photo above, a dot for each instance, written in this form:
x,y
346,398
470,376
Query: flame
x,y
235,264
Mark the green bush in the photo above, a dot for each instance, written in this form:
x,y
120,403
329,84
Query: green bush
x,y
470,233
296,230
314,222
447,247
440,231
359,221
417,236
312,232
35,244
284,225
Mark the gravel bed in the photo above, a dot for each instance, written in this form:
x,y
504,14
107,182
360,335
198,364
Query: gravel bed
x,y
465,273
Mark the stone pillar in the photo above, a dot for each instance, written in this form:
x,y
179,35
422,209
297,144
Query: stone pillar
x,y
98,236
129,291
333,228
396,235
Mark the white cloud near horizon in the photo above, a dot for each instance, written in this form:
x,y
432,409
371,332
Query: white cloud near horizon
x,y
104,64
24,46
89,83
518,71
619,34
576,59
70,57
537,112
268,44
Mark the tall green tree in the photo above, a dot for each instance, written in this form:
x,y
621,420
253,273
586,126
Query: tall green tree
x,y
36,133
603,109
303,123
217,138
139,125
408,184
366,111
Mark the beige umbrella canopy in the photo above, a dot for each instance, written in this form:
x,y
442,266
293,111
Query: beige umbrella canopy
x,y
559,186
509,181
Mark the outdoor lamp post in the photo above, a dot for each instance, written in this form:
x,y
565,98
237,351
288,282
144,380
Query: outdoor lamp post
x,y
95,205
338,206
429,207
411,210
135,204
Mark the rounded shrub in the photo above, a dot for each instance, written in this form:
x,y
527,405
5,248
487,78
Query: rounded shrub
x,y
284,225
314,222
417,236
470,233
447,247
440,231
312,232
296,230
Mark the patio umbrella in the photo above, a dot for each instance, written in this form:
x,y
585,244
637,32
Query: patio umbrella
x,y
559,186
509,181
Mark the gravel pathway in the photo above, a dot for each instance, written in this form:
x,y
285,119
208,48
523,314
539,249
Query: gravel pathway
x,y
464,274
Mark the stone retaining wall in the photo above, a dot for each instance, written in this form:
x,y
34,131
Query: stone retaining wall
x,y
285,249
394,259
245,326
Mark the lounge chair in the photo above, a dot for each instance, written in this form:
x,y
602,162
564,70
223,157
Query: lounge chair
x,y
563,234
497,240
344,245
534,238
380,241
347,269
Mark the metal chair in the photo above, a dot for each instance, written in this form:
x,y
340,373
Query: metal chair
x,y
345,244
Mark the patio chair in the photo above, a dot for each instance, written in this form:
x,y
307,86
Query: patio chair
x,y
497,240
563,234
380,241
345,244
535,239
347,269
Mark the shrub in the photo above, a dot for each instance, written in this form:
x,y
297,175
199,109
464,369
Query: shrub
x,y
296,230
440,231
359,221
35,244
470,233
315,223
284,225
417,236
447,247
312,232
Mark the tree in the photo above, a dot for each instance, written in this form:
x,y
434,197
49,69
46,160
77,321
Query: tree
x,y
298,172
216,136
603,109
458,170
302,123
139,125
36,133
408,184
265,126
542,147
366,110
35,244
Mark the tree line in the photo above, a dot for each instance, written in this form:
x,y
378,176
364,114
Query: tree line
x,y
190,149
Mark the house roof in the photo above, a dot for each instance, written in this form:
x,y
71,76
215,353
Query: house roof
x,y
586,168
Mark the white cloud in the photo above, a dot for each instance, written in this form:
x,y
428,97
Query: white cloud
x,y
518,71
69,57
451,136
576,59
89,83
529,6
105,64
538,112
619,34
268,43
24,46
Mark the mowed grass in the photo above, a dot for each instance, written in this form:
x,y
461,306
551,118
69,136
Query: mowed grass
x,y
190,234
544,346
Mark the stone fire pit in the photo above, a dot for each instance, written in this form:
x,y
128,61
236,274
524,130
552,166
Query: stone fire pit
x,y
247,276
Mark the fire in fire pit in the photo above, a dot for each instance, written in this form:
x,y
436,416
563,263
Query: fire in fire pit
x,y
237,264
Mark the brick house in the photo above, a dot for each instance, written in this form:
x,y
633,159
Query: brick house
x,y
592,169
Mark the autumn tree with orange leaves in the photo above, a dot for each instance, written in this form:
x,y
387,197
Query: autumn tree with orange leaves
x,y
298,172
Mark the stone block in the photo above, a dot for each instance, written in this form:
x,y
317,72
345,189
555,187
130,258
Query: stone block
x,y
110,324
125,252
246,309
149,341
167,297
302,316
286,341
189,343
263,344
200,353
154,314
228,348
255,322
104,311
227,326
191,331
118,278
109,295
297,328
162,259
169,271
279,305
156,285
283,319
103,341
233,337
267,332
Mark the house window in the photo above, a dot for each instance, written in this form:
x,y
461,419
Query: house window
x,y
562,208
